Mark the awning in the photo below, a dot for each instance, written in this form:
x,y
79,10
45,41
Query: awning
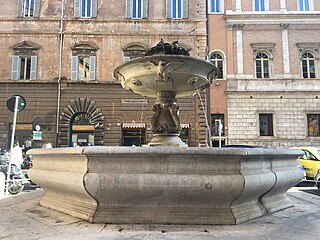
x,y
133,125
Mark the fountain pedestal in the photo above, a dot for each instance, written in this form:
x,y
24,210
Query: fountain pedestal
x,y
165,122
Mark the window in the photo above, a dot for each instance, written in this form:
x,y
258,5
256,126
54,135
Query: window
x,y
83,62
215,6
266,124
29,8
132,51
137,9
262,65
305,5
24,61
308,65
313,125
83,68
260,5
24,67
177,9
217,60
85,8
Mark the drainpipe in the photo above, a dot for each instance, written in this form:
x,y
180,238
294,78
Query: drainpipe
x,y
208,112
60,71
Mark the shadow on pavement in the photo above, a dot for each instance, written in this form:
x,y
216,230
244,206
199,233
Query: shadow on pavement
x,y
308,187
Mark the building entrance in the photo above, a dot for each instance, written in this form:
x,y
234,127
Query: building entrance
x,y
82,130
82,135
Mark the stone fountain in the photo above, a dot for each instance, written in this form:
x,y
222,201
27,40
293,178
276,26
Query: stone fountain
x,y
166,183
167,74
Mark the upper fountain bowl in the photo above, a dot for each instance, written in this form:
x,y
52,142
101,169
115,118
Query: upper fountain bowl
x,y
181,74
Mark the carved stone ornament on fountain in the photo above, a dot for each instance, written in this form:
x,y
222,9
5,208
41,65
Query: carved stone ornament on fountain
x,y
166,73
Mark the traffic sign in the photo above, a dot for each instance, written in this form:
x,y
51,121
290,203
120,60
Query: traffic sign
x,y
37,135
12,100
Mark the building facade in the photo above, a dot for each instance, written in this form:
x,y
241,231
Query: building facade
x,y
269,89
60,56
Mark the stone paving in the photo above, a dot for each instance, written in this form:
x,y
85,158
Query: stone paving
x,y
23,218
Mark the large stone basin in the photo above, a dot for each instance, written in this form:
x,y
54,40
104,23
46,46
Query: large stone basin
x,y
165,185
183,75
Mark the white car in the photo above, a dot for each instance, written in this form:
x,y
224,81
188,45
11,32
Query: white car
x,y
304,172
317,179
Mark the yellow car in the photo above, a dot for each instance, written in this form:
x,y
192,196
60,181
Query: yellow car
x,y
310,161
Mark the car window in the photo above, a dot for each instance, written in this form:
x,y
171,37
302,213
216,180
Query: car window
x,y
308,156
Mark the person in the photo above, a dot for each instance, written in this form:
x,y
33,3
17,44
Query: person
x,y
16,155
47,145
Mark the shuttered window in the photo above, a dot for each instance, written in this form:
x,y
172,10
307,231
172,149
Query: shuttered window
x,y
137,9
24,67
83,68
29,8
85,8
177,9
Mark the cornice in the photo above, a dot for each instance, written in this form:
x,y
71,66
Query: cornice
x,y
100,20
272,17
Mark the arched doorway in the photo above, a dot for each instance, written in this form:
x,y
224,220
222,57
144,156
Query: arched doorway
x,y
81,124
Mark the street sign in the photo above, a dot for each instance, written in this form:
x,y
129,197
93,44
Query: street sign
x,y
37,135
15,103
12,100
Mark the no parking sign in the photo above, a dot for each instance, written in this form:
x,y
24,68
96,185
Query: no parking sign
x,y
11,102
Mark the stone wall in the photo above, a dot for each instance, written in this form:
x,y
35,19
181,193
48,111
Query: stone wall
x,y
289,111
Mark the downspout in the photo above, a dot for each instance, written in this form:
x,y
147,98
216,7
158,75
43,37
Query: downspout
x,y
208,112
60,72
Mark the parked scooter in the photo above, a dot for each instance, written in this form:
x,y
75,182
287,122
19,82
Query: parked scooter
x,y
15,184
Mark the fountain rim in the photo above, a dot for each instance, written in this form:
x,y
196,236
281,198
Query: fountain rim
x,y
211,73
166,57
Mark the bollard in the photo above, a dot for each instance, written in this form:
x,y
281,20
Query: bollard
x,y
2,184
